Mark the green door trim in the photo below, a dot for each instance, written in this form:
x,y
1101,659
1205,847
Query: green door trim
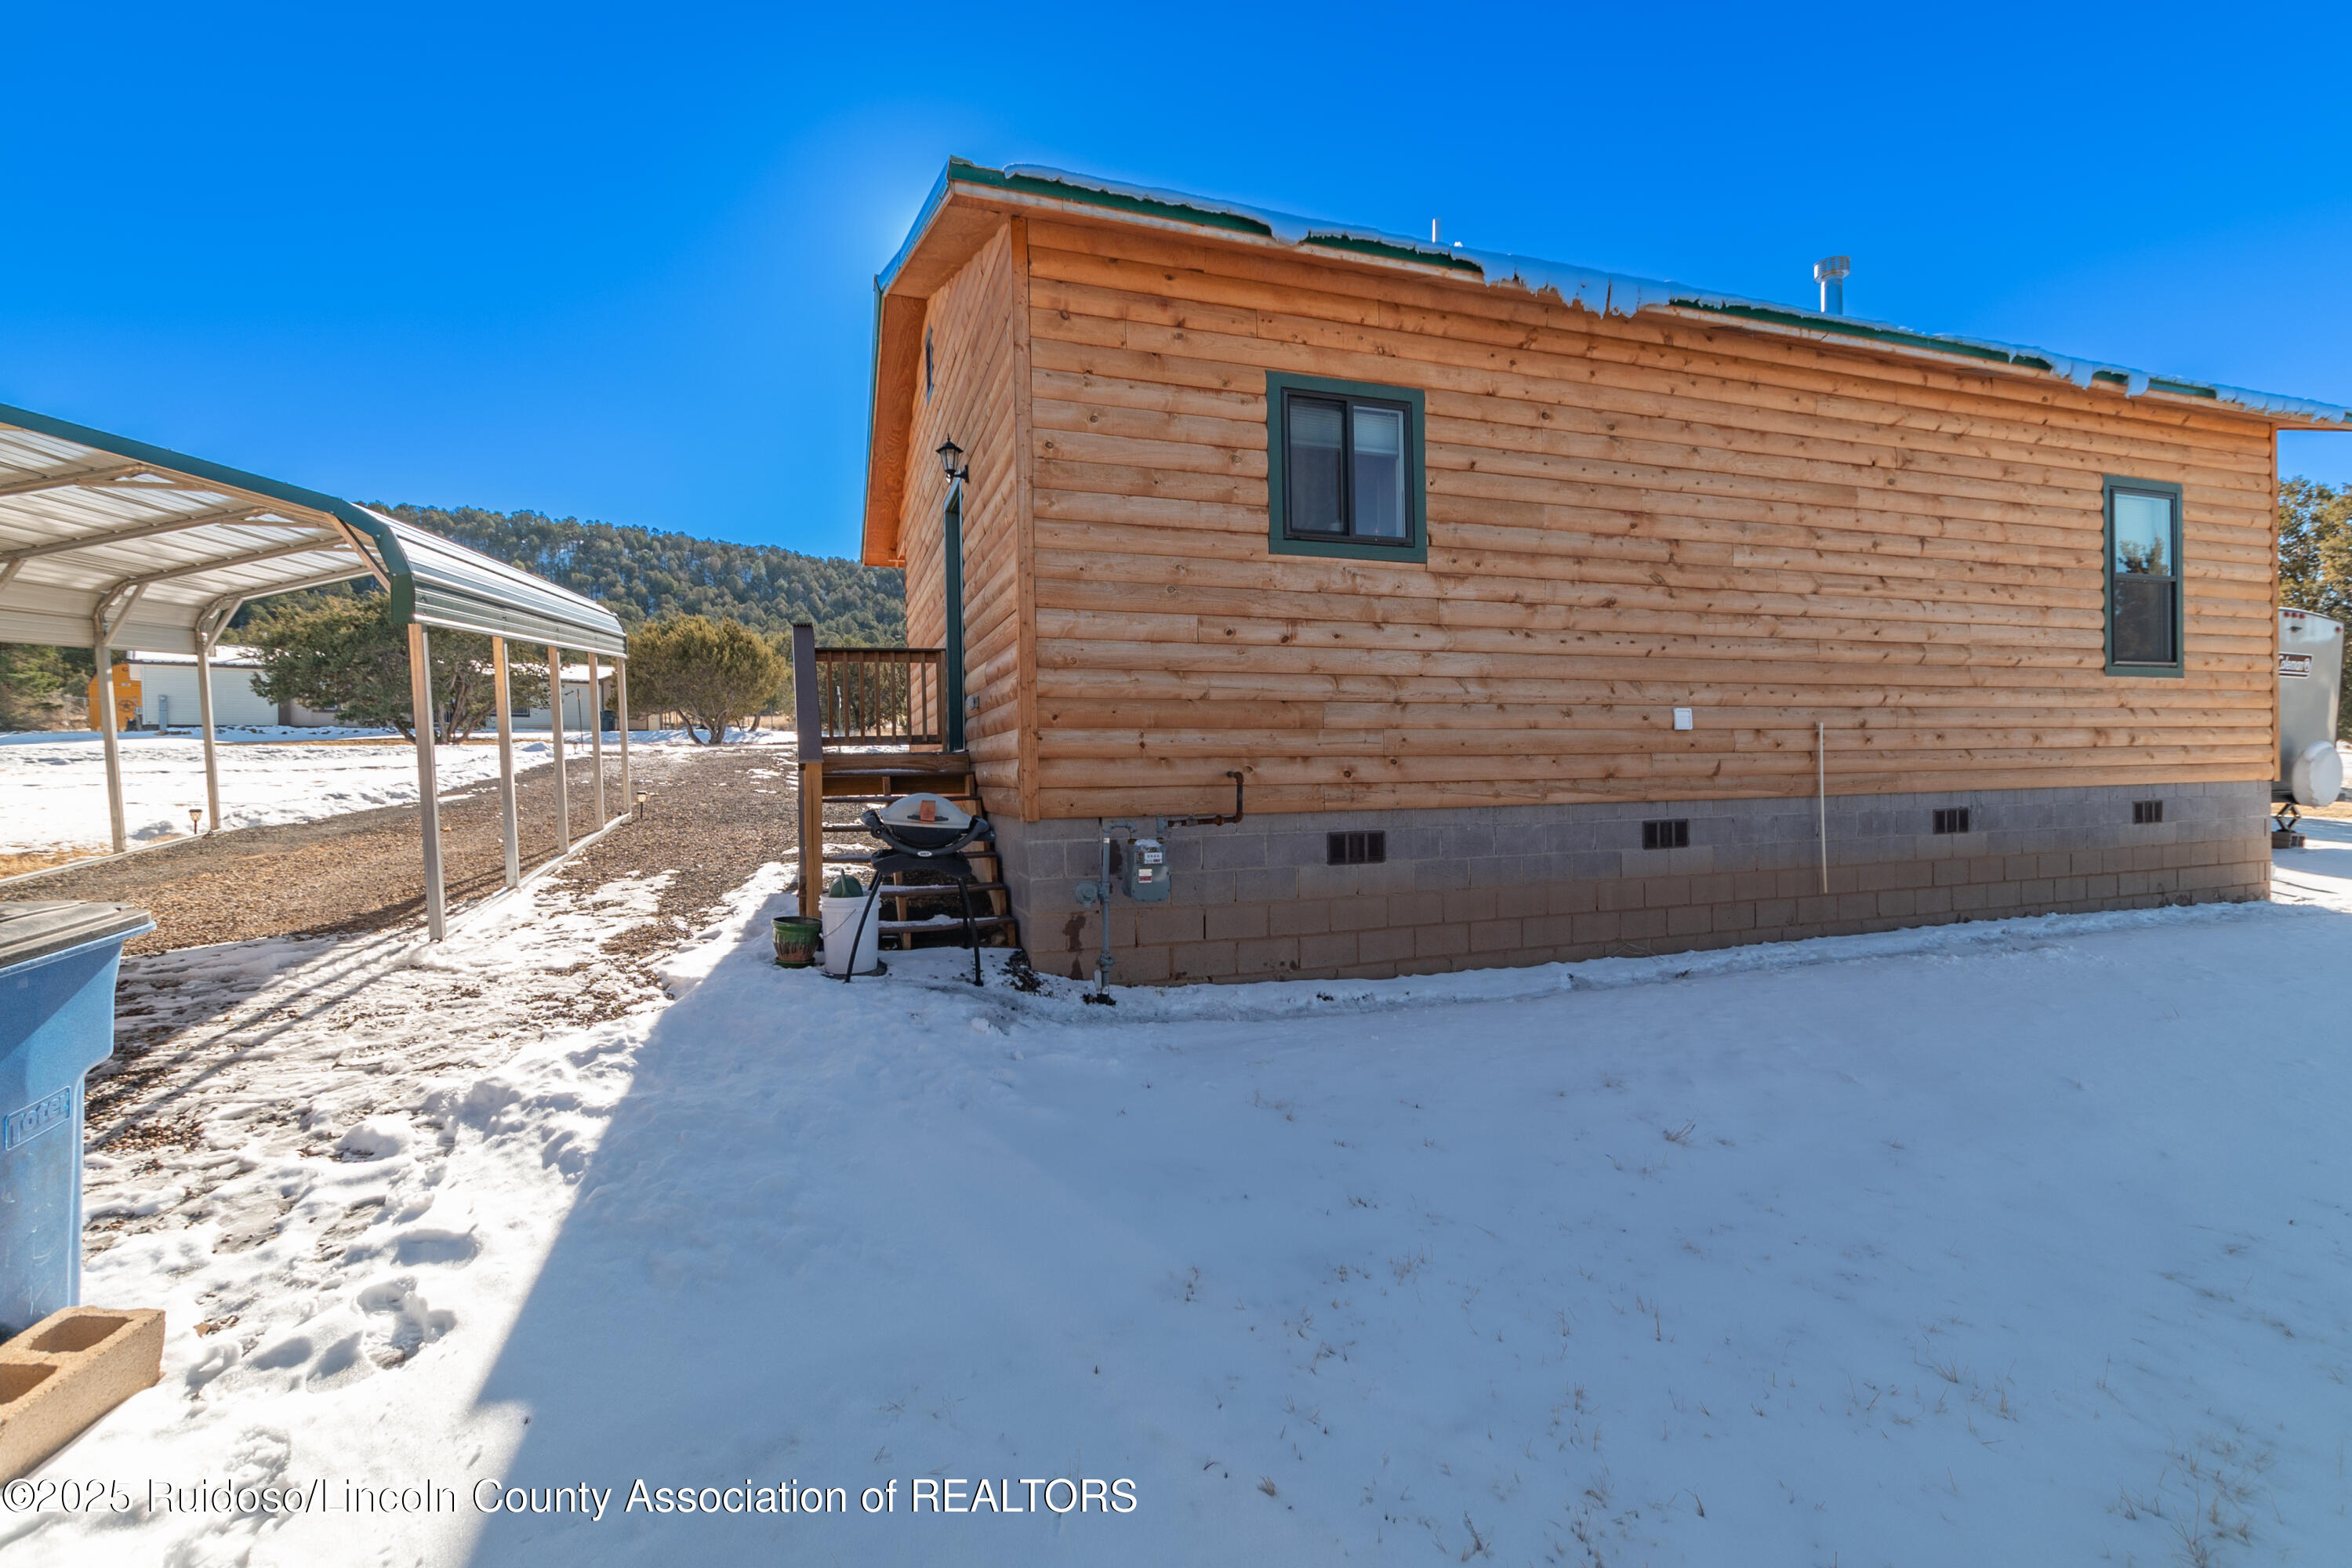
x,y
951,563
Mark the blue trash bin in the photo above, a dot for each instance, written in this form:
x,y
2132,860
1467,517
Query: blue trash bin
x,y
57,963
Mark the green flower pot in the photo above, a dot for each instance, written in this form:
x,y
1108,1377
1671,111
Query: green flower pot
x,y
796,939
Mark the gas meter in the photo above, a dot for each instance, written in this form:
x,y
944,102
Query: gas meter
x,y
1147,871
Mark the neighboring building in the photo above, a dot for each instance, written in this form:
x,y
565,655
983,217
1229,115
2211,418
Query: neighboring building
x,y
167,692
1530,586
578,712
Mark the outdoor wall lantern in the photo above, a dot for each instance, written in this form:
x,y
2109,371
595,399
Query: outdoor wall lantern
x,y
948,453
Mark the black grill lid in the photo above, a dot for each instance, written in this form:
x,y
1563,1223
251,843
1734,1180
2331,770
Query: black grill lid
x,y
31,931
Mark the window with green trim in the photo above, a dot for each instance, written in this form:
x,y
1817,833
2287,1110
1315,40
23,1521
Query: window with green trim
x,y
1344,468
2144,585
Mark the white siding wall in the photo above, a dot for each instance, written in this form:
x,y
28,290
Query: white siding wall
x,y
168,695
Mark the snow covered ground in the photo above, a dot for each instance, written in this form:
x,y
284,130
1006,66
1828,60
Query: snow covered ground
x,y
2014,1242
54,784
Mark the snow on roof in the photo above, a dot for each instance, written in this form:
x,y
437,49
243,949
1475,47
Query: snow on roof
x,y
225,655
1603,293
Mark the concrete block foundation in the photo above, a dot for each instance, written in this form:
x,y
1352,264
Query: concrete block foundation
x,y
1480,887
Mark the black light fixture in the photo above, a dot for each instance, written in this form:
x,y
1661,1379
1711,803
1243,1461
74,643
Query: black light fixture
x,y
949,452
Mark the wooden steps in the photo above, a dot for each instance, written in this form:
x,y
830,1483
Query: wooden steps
x,y
868,778
903,930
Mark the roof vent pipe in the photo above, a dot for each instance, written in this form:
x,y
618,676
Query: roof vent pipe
x,y
1829,273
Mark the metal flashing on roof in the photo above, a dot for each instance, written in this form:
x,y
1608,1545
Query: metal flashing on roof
x,y
104,536
1600,291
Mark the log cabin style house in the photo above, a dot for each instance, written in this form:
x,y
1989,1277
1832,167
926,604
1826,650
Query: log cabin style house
x,y
1548,614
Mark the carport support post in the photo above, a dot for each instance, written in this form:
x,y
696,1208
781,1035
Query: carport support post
x,y
502,694
428,797
620,700
205,717
106,722
597,731
555,729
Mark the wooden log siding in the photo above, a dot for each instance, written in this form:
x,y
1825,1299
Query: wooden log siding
x,y
971,323
1624,517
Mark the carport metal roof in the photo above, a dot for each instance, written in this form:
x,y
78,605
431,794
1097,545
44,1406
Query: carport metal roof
x,y
107,542
104,539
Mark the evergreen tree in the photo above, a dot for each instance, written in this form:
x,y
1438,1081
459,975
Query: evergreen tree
x,y
714,673
346,655
642,575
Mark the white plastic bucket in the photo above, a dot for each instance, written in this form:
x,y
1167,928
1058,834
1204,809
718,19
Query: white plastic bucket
x,y
840,917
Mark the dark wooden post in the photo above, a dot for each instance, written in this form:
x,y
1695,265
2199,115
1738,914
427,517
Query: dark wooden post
x,y
808,719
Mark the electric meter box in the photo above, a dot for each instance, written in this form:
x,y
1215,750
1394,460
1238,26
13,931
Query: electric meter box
x,y
1147,871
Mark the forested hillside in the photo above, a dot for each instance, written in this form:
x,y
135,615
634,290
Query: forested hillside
x,y
639,573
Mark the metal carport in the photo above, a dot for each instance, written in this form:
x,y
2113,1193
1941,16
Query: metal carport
x,y
109,542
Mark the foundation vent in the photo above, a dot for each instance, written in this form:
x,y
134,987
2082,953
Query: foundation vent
x,y
1951,819
1357,850
2146,811
1674,833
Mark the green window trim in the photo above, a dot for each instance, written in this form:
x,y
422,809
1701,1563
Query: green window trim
x,y
1415,546
2177,666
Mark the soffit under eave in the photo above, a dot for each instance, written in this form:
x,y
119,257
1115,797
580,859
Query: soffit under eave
x,y
963,223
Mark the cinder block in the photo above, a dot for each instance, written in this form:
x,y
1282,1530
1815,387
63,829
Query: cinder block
x,y
1388,945
1574,898
1242,922
1625,894
1467,906
1495,936
1549,931
67,1371
1274,956
1522,900
1440,941
1691,919
1271,885
1642,925
1600,928
1415,908
1665,892
1136,966
1167,925
1205,960
1334,951
1299,917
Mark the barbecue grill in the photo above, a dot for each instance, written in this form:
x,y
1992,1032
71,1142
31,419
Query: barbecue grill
x,y
926,833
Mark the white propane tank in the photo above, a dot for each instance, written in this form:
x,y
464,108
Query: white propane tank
x,y
2310,676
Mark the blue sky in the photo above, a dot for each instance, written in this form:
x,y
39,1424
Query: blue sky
x,y
617,262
